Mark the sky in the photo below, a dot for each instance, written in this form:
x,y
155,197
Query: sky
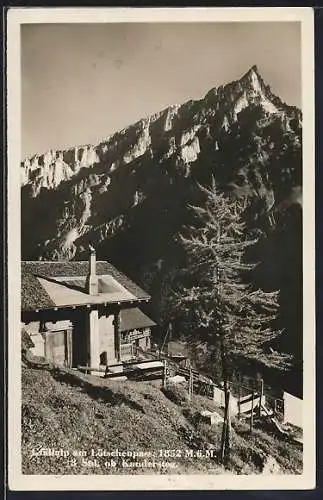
x,y
82,82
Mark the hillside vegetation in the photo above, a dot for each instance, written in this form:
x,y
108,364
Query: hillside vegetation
x,y
66,411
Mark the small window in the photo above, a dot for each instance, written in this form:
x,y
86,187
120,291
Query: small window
x,y
104,358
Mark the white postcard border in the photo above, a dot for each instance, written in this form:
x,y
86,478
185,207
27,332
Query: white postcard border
x,y
18,16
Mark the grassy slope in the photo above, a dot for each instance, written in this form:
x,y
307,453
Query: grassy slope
x,y
65,409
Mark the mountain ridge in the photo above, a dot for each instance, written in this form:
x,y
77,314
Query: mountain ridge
x,y
57,165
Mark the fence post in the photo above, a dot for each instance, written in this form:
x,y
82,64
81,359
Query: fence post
x,y
226,430
239,395
165,374
261,396
251,416
190,385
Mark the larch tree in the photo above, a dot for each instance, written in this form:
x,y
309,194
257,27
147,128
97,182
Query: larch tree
x,y
215,292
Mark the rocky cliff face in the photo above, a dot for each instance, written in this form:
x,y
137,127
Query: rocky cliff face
x,y
241,133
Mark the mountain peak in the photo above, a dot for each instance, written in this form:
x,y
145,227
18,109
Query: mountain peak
x,y
253,76
254,69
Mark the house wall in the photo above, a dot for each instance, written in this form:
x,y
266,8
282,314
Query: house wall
x,y
218,397
92,324
36,337
79,340
93,334
293,410
103,331
97,325
106,333
144,343
140,337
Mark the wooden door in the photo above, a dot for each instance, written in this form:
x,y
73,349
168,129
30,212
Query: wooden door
x,y
58,347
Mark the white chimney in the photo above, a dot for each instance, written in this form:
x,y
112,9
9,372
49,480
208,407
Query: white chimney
x,y
92,279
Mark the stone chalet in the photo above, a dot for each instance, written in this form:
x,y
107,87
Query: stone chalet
x,y
83,313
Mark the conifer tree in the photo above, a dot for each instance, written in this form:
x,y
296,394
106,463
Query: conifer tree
x,y
215,293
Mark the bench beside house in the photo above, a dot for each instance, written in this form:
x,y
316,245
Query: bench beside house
x,y
83,313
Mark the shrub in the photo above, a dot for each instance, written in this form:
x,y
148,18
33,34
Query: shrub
x,y
176,393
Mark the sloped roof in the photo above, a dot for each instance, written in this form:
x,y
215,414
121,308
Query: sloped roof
x,y
35,296
134,318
